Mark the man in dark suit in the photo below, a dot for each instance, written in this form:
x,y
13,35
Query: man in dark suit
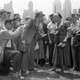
x,y
29,37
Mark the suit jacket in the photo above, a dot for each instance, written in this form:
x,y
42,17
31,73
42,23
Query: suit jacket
x,y
29,32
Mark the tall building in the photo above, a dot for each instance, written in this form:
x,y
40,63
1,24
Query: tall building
x,y
9,7
57,6
29,12
67,8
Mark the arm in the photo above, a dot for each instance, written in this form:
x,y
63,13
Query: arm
x,y
67,36
16,33
5,34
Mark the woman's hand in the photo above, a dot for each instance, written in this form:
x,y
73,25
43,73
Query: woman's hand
x,y
60,44
63,45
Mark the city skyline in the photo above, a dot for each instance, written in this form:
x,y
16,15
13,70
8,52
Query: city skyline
x,y
42,5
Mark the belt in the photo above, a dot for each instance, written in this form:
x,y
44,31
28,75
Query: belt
x,y
1,54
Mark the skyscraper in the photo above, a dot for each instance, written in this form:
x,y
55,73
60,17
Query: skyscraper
x,y
29,12
57,6
9,7
67,7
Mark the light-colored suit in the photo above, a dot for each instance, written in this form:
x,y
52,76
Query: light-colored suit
x,y
5,36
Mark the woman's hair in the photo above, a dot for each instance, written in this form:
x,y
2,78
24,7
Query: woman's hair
x,y
8,21
59,15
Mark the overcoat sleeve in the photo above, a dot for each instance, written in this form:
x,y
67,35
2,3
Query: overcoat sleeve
x,y
5,34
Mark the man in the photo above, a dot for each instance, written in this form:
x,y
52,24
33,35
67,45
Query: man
x,y
16,23
27,60
30,38
44,37
5,34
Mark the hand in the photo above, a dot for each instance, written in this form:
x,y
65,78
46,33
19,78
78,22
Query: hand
x,y
56,32
60,44
43,35
78,31
23,26
45,42
63,45
36,47
23,42
50,42
65,40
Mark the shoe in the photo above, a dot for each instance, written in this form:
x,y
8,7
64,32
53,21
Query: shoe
x,y
22,78
25,73
62,70
54,69
50,64
73,69
14,74
32,69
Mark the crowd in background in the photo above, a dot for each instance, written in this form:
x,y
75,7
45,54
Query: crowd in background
x,y
32,43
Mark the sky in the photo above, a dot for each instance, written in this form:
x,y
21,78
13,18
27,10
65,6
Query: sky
x,y
43,5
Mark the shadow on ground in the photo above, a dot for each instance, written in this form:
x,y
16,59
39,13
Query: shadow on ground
x,y
72,76
46,75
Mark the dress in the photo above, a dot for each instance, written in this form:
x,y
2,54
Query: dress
x,y
61,56
39,53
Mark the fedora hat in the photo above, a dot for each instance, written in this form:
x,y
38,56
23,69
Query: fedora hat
x,y
39,14
16,17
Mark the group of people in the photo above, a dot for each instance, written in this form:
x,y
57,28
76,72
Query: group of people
x,y
24,44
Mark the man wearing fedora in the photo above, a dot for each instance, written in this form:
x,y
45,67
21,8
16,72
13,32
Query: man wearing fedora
x,y
5,34
30,37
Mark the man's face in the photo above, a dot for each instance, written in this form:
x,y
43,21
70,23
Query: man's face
x,y
8,26
26,22
39,20
4,16
56,19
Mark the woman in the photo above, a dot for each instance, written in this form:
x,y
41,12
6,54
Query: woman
x,y
39,37
61,53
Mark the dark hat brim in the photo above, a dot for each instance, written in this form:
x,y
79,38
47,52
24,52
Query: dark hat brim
x,y
17,19
39,14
